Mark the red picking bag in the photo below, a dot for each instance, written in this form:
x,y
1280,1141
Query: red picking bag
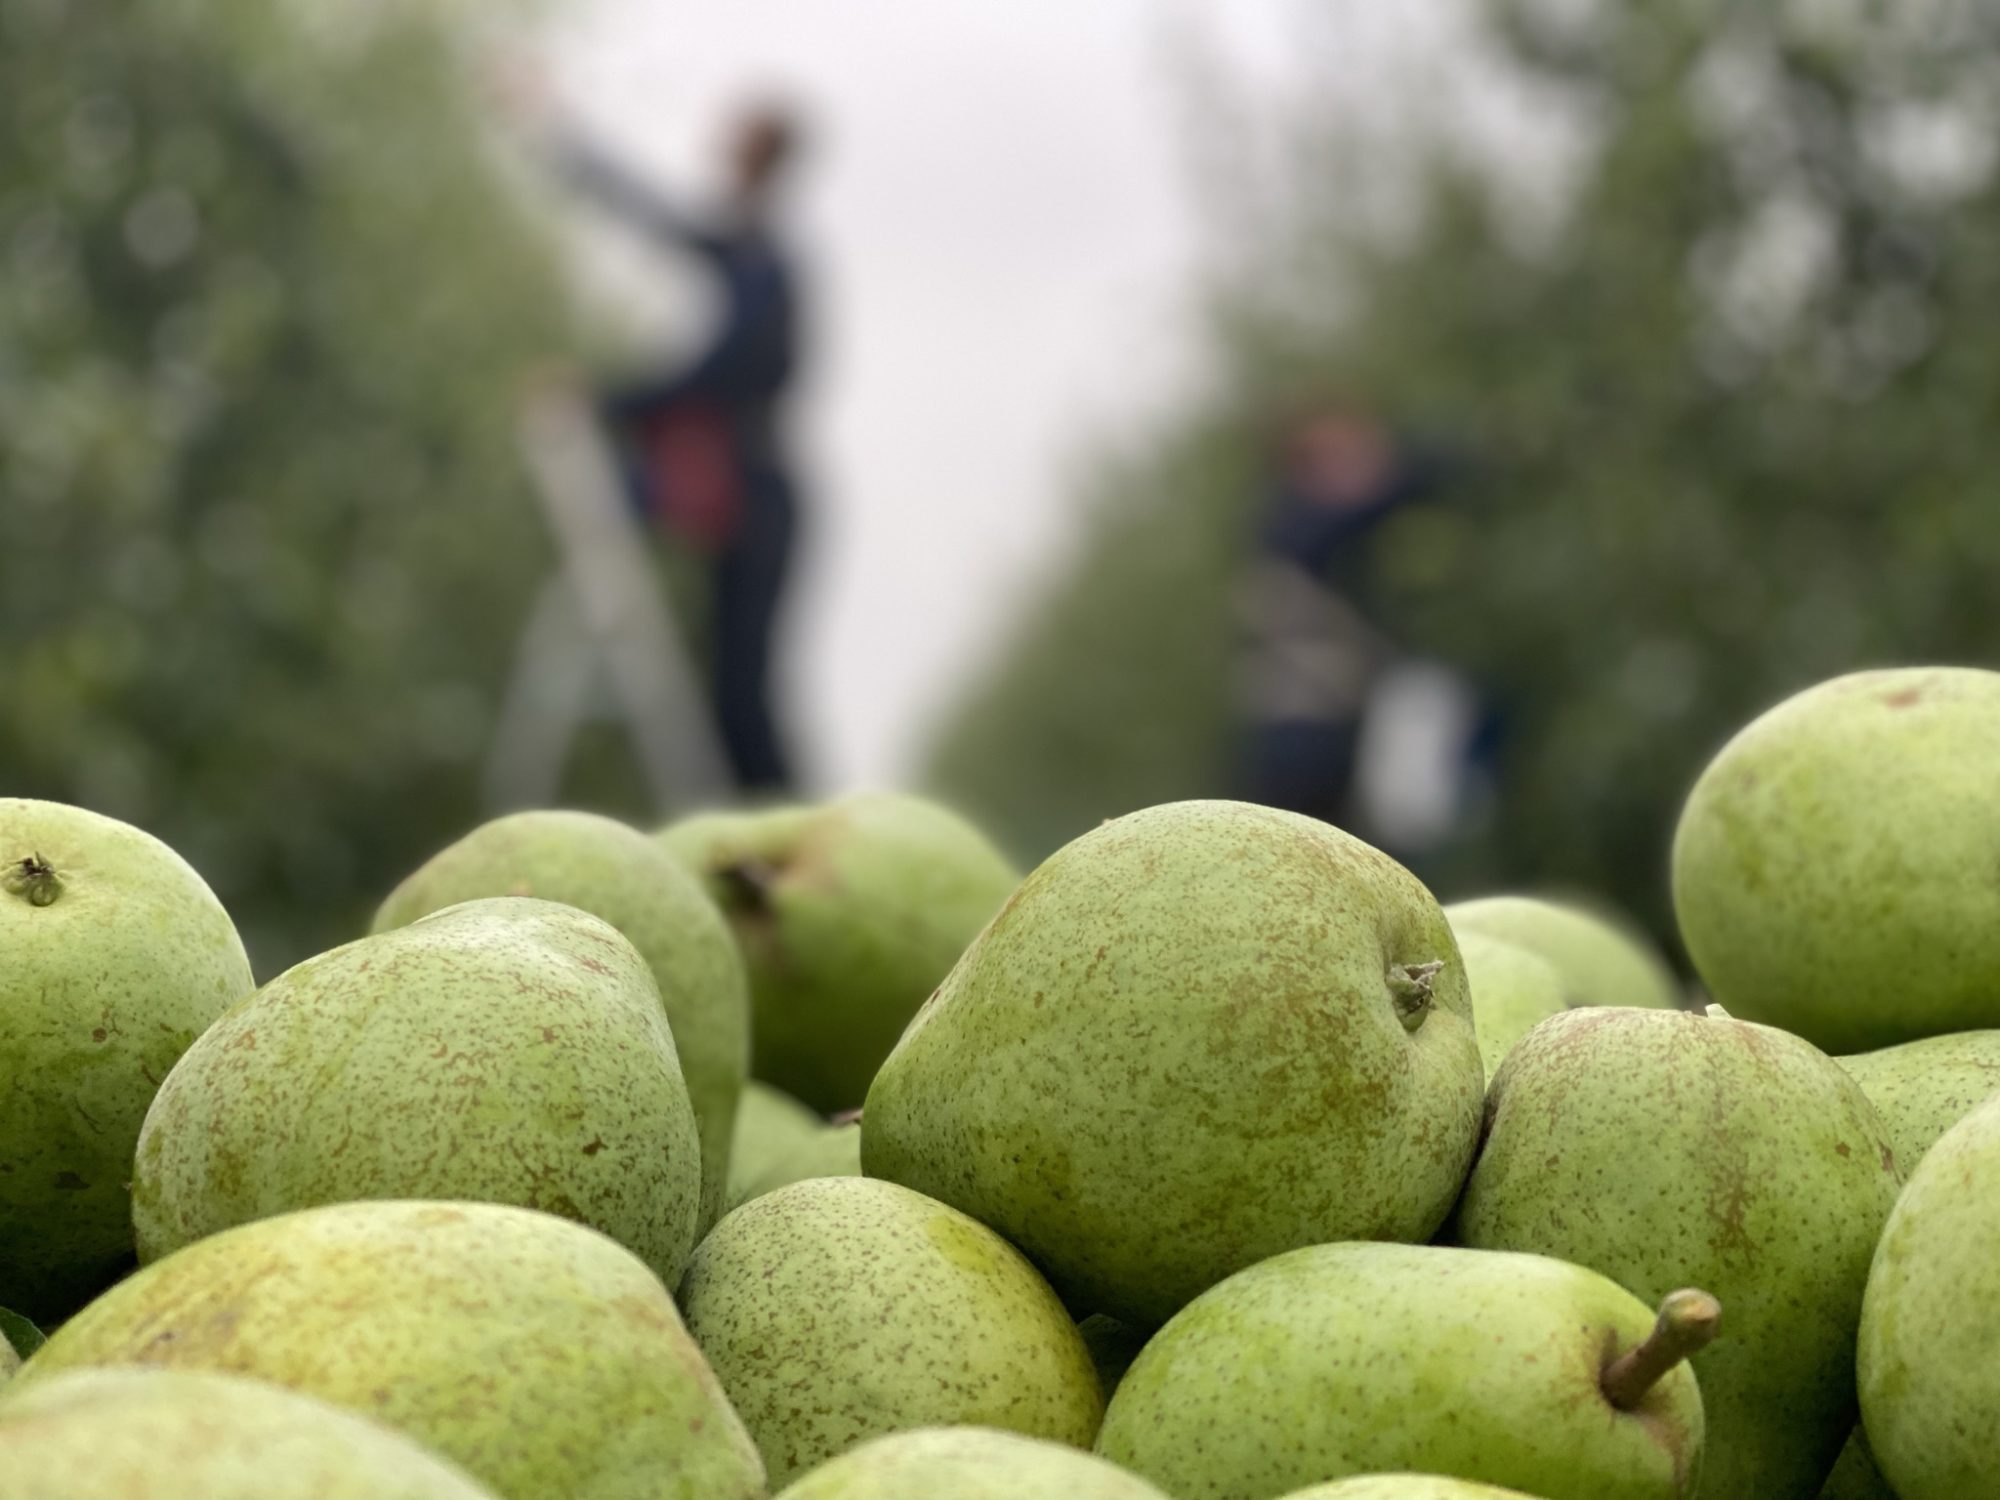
x,y
692,479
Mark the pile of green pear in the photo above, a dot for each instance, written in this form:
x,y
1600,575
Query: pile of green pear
x,y
813,1152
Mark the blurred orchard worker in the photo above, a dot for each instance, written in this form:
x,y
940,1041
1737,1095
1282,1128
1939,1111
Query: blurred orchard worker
x,y
1312,655
704,444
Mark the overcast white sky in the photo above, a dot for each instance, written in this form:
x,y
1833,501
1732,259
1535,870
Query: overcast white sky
x,y
1001,246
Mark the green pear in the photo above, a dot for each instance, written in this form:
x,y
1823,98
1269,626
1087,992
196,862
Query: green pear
x,y
114,955
1602,956
841,1308
967,1463
830,1151
1930,1384
506,1051
848,915
1405,1487
1197,1036
539,1356
1834,865
703,839
1513,990
1855,1475
1356,1358
1662,1147
617,873
1922,1089
770,1124
175,1435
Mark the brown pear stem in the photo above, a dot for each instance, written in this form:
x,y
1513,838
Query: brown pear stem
x,y
34,880
748,882
1688,1320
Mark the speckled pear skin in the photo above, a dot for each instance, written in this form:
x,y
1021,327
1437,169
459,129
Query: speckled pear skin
x,y
539,1356
1513,990
1602,958
505,1051
1670,1149
967,1463
1834,869
1405,1487
1930,1384
9,1362
1921,1089
848,913
770,1124
830,1151
101,989
1347,1359
1180,1049
842,1308
618,873
174,1435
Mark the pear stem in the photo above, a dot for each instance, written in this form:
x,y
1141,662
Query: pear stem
x,y
35,880
748,882
1688,1321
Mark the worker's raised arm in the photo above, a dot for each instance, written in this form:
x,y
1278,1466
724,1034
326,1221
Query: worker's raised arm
x,y
625,194
519,85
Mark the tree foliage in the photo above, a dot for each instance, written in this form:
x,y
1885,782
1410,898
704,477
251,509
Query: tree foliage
x,y
263,313
1730,418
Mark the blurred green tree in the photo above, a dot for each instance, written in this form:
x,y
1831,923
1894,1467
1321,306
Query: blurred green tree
x,y
1729,407
265,552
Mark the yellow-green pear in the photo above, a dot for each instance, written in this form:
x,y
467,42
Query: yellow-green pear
x,y
1601,955
1349,1359
848,914
1513,990
114,955
830,1151
508,1051
769,1125
841,1308
1197,1036
1929,1354
619,874
1665,1148
175,1435
967,1463
541,1357
1833,868
1921,1089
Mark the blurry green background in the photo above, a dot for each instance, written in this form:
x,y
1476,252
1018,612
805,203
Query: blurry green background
x,y
1726,417
1727,425
262,318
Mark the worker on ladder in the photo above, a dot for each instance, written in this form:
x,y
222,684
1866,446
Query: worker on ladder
x,y
703,447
